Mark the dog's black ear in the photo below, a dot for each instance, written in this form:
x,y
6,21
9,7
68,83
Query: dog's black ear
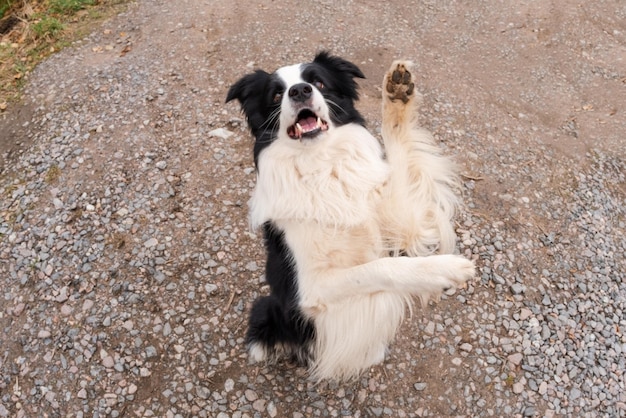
x,y
250,91
247,87
339,64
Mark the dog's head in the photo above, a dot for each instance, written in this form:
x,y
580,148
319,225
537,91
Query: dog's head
x,y
300,102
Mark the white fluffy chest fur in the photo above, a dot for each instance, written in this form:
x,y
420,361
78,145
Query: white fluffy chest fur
x,y
334,181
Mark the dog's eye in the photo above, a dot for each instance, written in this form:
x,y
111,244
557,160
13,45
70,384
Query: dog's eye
x,y
318,84
277,97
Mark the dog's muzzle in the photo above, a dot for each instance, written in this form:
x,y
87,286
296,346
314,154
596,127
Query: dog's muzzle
x,y
308,124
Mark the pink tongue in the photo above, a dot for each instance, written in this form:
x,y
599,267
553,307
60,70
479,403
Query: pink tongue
x,y
308,124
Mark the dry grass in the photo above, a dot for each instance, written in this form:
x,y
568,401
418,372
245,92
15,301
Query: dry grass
x,y
31,30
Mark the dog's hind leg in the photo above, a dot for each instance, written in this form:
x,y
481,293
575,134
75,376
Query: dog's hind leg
x,y
275,331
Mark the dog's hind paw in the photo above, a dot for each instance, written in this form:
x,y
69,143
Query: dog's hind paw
x,y
257,353
399,82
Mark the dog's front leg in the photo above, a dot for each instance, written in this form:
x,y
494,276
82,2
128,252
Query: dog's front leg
x,y
418,276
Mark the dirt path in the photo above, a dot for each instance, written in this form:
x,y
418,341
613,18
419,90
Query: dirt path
x,y
120,152
556,67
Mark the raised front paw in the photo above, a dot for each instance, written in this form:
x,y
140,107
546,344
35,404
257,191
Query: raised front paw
x,y
444,272
399,82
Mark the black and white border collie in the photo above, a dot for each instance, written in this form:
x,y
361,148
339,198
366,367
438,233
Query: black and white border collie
x,y
353,231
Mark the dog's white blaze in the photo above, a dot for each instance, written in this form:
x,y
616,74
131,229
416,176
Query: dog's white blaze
x,y
291,74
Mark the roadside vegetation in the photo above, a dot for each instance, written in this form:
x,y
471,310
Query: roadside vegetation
x,y
31,30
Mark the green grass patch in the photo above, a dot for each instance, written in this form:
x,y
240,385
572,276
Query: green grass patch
x,y
48,27
31,30
4,7
69,6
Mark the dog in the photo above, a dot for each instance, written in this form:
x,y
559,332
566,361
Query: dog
x,y
353,231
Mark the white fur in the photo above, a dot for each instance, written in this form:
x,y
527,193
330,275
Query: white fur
x,y
343,209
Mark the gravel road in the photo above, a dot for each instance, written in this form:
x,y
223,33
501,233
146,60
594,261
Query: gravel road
x,y
127,266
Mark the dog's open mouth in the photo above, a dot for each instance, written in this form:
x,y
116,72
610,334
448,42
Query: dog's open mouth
x,y
307,125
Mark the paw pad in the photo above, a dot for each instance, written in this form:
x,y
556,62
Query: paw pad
x,y
399,84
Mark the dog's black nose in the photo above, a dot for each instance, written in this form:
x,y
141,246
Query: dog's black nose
x,y
300,92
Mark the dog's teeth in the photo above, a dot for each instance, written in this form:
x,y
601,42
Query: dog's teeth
x,y
299,130
319,122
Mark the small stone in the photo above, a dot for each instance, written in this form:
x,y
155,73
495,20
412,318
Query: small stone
x,y
43,334
524,314
259,405
122,212
220,133
271,409
377,411
108,362
450,292
19,308
82,394
152,242
420,386
229,385
498,279
62,296
87,304
515,359
518,387
132,389
529,411
161,165
466,347
251,395
517,288
203,392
